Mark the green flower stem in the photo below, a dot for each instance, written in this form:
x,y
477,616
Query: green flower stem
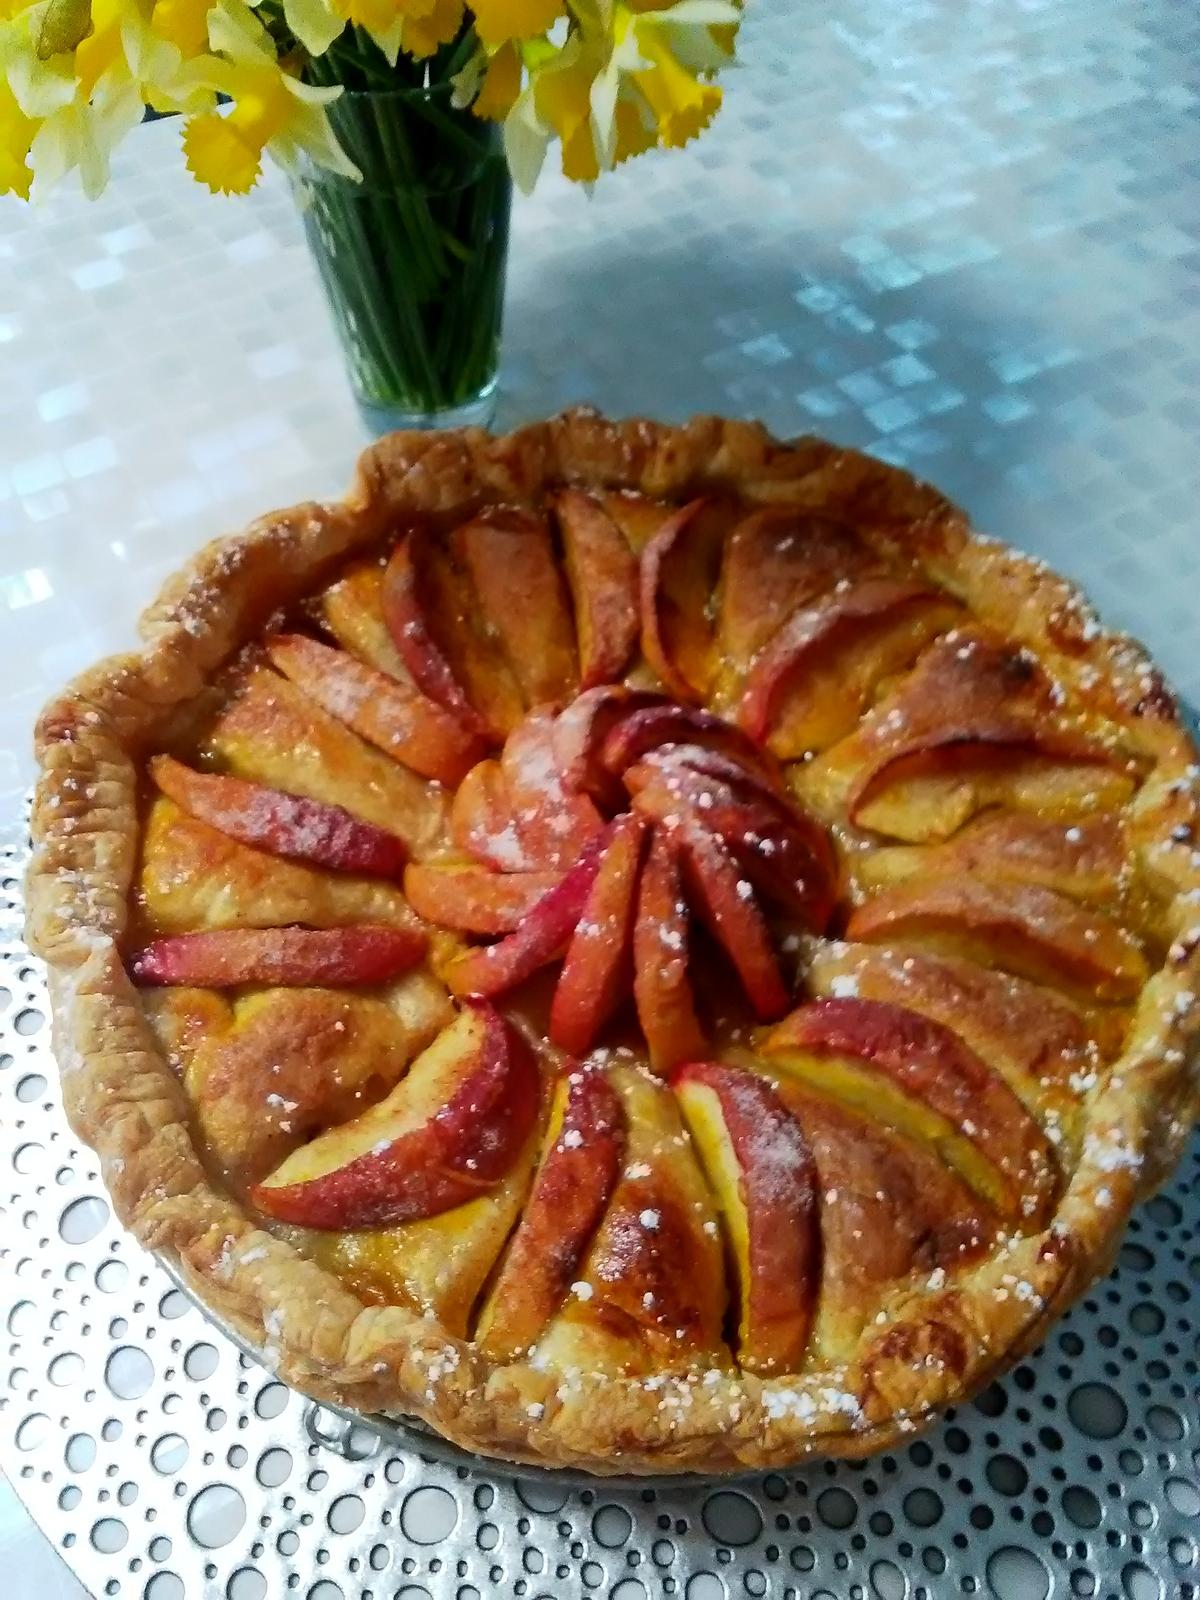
x,y
412,258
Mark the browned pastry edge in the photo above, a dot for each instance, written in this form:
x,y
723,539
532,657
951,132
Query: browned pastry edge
x,y
936,1345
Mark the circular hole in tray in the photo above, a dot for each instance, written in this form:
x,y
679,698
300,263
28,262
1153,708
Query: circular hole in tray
x,y
887,1581
65,1369
1015,1573
27,1158
111,1276
428,1514
705,1586
128,1372
80,1452
731,1518
83,1219
1184,1496
29,1022
1139,1583
1082,1506
169,1453
201,1361
165,1586
546,1498
271,1400
22,1319
33,1431
611,1526
109,1535
216,1515
836,1508
247,1583
346,1513
1097,1410
274,1467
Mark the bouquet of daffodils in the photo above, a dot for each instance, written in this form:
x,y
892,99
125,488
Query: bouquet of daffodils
x,y
608,79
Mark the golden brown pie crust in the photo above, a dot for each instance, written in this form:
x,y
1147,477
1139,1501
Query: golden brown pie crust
x,y
938,1346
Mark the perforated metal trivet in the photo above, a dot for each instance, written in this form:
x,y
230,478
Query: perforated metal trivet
x,y
165,1464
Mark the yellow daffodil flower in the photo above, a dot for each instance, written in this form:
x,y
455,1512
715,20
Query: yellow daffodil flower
x,y
417,26
683,105
659,61
498,21
39,86
272,111
86,100
499,84
422,34
608,79
561,88
16,136
183,23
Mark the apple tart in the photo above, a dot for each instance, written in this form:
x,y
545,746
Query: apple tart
x,y
649,948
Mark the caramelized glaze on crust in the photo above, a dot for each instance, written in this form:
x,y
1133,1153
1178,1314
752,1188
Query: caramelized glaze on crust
x,y
1015,817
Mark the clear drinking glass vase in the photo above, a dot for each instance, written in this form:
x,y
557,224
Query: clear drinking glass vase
x,y
413,257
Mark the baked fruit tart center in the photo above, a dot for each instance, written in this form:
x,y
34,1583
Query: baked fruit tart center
x,y
599,840
673,948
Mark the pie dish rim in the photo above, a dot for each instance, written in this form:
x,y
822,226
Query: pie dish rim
x,y
123,1100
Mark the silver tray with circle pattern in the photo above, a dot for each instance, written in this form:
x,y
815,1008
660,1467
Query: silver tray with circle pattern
x,y
166,1463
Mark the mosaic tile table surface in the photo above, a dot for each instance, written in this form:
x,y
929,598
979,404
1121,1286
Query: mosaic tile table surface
x,y
961,233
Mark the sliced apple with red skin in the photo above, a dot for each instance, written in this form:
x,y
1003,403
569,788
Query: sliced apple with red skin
x,y
649,1296
474,899
761,1170
967,681
1021,928
928,786
810,684
450,1129
481,820
542,937
552,821
580,732
677,578
777,560
661,987
271,733
394,716
223,957
640,731
1039,1043
638,517
921,1079
431,615
1085,861
192,876
436,1266
286,1063
725,901
574,1182
785,853
890,1209
595,972
287,825
352,610
510,558
602,573
408,598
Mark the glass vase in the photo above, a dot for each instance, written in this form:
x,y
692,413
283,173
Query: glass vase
x,y
412,258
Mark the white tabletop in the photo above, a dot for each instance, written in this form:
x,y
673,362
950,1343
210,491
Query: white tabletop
x,y
962,235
